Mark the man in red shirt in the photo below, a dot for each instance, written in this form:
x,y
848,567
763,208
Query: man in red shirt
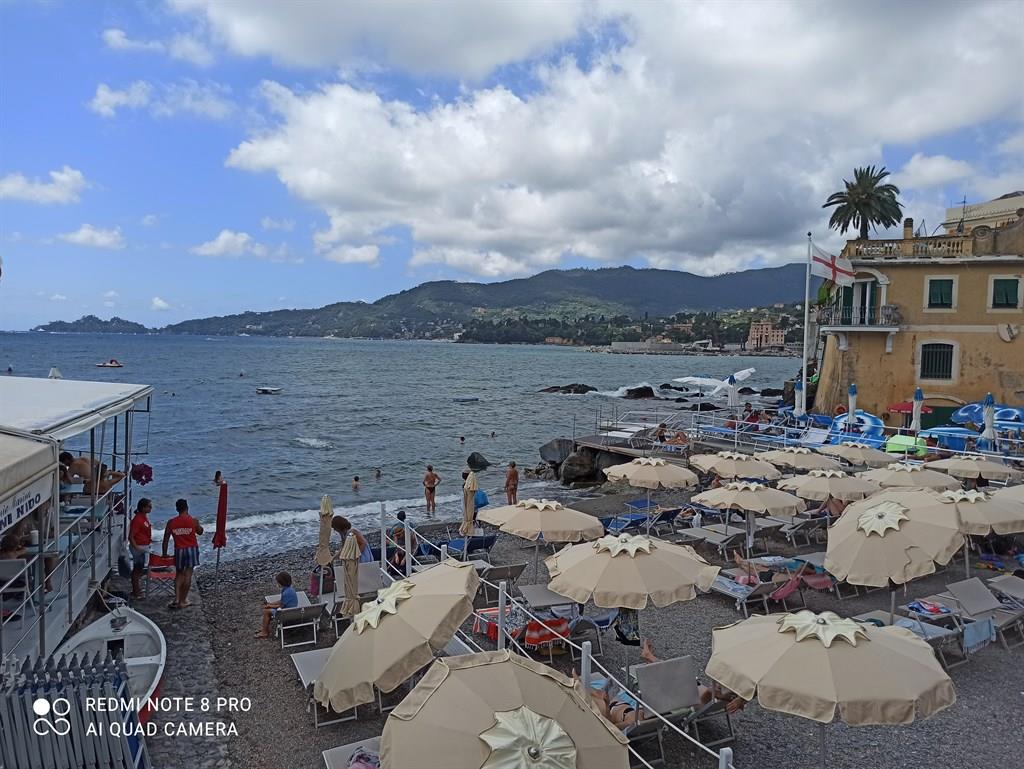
x,y
184,528
140,537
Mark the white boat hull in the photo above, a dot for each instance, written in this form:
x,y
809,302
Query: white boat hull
x,y
140,642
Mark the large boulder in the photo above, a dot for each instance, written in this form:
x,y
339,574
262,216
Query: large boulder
x,y
639,393
677,388
578,466
747,391
705,406
576,388
771,392
477,462
606,459
555,451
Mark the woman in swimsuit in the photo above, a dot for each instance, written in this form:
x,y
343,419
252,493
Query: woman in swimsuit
x,y
430,481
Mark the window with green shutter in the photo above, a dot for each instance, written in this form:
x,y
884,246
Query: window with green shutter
x,y
940,294
1005,293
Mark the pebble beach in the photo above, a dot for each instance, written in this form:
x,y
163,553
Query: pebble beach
x,y
213,651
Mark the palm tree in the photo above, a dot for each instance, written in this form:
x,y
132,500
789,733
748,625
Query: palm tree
x,y
864,202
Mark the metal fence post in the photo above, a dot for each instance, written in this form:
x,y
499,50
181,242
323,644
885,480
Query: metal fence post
x,y
724,758
410,536
502,603
585,664
383,540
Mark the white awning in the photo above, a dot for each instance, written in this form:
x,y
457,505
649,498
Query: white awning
x,y
27,470
62,408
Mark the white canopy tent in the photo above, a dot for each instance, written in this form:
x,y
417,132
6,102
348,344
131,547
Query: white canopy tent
x,y
62,408
27,469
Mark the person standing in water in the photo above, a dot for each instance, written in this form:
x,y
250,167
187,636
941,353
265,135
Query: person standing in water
x,y
430,482
355,483
512,484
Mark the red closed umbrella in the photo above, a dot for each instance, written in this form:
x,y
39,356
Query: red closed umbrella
x,y
220,536
907,407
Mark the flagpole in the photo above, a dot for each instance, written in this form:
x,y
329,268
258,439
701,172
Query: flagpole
x,y
807,325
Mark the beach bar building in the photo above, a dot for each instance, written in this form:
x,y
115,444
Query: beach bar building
x,y
70,541
943,313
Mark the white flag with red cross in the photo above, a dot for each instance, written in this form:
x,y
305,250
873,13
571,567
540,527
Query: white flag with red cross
x,y
840,271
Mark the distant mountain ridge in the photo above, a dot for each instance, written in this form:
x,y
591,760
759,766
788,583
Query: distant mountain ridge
x,y
438,309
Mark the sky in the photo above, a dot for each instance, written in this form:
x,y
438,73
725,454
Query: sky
x,y
169,160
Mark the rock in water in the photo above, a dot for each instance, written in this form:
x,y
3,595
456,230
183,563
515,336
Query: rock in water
x,y
555,451
576,388
747,391
771,392
578,466
639,393
477,462
704,406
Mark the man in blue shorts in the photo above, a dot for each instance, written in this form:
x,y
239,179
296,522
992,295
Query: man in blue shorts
x,y
185,529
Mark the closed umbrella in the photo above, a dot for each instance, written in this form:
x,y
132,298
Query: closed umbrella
x,y
734,395
220,535
628,571
915,421
349,556
732,464
972,468
822,666
397,634
650,473
499,710
899,474
988,415
851,399
822,485
857,453
799,458
323,555
469,489
799,409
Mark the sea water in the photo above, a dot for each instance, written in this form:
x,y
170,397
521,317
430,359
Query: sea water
x,y
346,408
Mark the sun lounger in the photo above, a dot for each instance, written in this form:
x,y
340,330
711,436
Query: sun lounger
x,y
583,627
802,527
494,575
617,524
276,598
976,602
1009,586
478,545
308,666
941,639
723,542
457,647
339,758
371,579
745,595
291,620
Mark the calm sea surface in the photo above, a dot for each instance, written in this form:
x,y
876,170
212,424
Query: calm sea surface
x,y
346,408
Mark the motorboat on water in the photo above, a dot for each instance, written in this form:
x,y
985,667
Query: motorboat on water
x,y
125,633
465,400
268,390
112,363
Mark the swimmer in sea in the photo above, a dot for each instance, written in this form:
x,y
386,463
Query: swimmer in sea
x,y
355,483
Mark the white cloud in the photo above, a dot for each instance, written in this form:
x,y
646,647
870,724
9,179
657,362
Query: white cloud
x,y
187,96
58,298
230,243
149,220
96,237
923,171
269,223
108,101
159,305
1013,145
111,294
353,254
182,47
699,135
409,34
64,186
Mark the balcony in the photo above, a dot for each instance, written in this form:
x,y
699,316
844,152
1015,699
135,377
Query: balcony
x,y
940,246
884,318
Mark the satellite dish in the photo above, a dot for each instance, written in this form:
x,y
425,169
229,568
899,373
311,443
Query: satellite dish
x,y
1007,331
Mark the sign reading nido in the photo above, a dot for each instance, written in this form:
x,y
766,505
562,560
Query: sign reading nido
x,y
17,506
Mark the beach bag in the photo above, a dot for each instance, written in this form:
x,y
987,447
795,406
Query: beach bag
x,y
480,499
314,580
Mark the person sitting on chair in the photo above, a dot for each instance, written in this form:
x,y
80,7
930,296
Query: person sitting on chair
x,y
289,600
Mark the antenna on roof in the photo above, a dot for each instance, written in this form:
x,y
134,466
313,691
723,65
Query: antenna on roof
x,y
963,215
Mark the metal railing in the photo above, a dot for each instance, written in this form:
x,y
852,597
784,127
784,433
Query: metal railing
x,y
886,315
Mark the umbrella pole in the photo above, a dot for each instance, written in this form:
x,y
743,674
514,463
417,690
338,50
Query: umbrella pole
x,y
967,557
648,511
821,742
892,602
536,562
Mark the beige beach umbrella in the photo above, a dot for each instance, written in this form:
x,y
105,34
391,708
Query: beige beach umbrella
x,y
751,498
732,464
857,453
499,710
469,489
397,634
973,468
534,519
349,556
821,485
799,458
653,473
1014,493
625,571
917,476
982,513
893,536
822,666
323,556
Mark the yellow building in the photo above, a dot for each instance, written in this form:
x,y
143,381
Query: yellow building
x,y
960,220
764,334
945,314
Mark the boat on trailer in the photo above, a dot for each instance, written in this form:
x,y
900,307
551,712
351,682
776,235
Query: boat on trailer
x,y
133,637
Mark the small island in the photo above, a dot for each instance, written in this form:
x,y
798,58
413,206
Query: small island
x,y
90,324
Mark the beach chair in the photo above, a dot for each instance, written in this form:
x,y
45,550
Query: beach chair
x,y
976,602
745,596
664,519
617,524
308,667
721,541
590,628
339,758
802,527
292,620
1010,587
160,573
494,575
941,639
371,579
475,546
